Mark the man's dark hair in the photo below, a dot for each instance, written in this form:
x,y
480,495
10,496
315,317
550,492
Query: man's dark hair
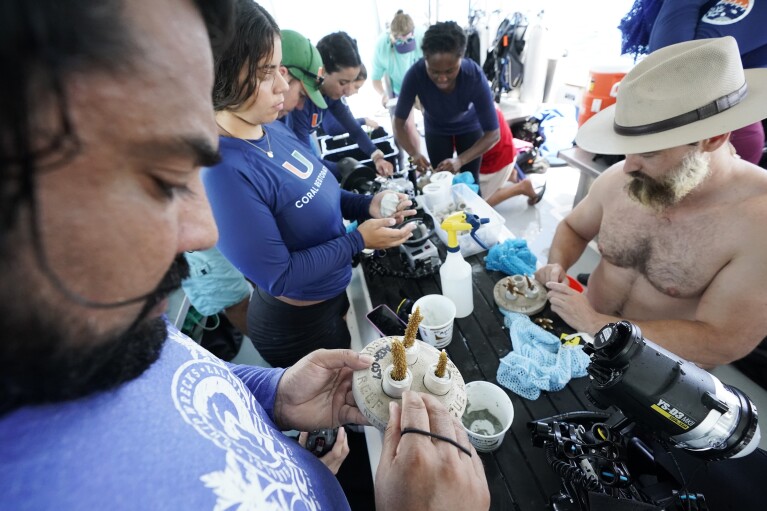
x,y
42,42
252,43
444,37
338,51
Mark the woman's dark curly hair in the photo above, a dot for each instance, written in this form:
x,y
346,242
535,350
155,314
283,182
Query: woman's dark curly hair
x,y
252,43
338,51
444,37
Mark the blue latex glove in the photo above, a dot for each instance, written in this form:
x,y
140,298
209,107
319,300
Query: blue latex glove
x,y
538,361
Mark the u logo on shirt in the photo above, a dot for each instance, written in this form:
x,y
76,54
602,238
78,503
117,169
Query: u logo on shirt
x,y
300,157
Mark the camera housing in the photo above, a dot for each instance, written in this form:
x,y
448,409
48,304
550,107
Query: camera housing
x,y
670,396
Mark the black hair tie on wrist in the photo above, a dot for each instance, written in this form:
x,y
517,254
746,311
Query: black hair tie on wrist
x,y
438,437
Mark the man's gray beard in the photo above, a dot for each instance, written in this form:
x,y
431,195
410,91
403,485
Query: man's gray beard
x,y
659,195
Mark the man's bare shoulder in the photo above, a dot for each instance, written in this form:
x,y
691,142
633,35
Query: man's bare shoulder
x,y
745,193
751,177
609,183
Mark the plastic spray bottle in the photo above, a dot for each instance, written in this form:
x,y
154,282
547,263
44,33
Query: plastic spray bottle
x,y
455,272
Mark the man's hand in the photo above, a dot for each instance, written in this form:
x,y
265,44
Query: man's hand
x,y
447,478
452,165
550,273
574,308
317,391
378,233
401,212
336,456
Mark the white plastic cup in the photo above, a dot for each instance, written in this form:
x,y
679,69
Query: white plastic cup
x,y
483,397
443,178
436,328
436,195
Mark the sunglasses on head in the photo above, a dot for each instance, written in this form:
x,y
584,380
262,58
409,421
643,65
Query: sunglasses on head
x,y
319,79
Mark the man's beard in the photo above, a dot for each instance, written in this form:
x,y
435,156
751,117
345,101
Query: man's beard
x,y
44,360
680,181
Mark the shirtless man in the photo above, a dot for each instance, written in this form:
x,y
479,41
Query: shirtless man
x,y
681,219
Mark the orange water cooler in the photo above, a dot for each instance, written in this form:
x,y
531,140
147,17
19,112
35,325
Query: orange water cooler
x,y
602,90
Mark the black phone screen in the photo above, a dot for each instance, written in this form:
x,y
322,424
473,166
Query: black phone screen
x,y
386,321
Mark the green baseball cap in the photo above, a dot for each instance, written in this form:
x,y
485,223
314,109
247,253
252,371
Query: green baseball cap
x,y
305,63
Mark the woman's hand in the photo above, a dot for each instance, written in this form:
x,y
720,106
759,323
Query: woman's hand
x,y
452,165
381,234
383,167
422,164
380,206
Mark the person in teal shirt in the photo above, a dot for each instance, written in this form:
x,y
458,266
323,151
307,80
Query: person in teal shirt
x,y
397,50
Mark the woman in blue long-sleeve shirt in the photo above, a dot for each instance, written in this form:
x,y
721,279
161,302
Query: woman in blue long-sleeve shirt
x,y
341,61
280,212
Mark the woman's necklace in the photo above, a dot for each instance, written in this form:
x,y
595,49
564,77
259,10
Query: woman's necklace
x,y
269,153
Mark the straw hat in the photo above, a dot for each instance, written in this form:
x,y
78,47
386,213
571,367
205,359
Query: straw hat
x,y
678,95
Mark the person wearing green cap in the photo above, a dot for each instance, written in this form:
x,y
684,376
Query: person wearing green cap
x,y
301,63
304,63
341,63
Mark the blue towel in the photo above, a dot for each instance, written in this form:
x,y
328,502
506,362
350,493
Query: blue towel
x,y
512,257
539,360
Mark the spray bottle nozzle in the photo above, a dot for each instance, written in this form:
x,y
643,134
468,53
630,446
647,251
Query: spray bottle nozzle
x,y
462,221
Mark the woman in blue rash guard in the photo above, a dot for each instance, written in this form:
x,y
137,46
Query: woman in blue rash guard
x,y
341,61
329,123
458,109
280,212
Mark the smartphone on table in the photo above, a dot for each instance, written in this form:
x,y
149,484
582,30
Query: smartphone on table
x,y
386,321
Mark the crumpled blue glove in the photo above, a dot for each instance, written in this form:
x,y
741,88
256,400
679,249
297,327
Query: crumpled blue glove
x,y
467,179
512,257
538,361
